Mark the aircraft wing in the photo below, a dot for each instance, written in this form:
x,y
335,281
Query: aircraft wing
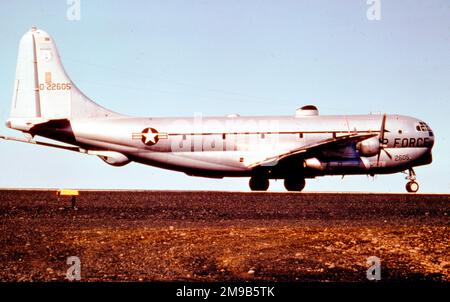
x,y
306,151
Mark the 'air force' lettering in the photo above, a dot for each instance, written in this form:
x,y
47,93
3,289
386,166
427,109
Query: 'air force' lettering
x,y
412,142
303,145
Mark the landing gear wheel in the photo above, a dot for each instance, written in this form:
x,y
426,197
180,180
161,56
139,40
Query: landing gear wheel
x,y
412,187
258,183
294,184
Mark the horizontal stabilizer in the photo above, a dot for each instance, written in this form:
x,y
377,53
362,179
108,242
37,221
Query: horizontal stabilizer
x,y
31,141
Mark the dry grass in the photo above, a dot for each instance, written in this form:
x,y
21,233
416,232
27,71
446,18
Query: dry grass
x,y
222,236
262,253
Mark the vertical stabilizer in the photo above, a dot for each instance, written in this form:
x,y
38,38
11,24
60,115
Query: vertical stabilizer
x,y
42,88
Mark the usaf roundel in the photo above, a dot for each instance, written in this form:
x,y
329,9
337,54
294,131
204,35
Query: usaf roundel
x,y
149,136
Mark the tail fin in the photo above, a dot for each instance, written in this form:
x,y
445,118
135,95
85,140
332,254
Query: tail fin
x,y
43,90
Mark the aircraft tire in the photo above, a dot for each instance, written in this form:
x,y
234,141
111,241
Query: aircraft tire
x,y
258,183
294,184
412,187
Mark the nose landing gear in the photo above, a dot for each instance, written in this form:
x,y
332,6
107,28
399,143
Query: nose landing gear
x,y
412,186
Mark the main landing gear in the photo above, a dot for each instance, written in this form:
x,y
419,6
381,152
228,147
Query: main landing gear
x,y
292,183
412,186
259,183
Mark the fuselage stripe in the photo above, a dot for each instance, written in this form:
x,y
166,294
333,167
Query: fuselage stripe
x,y
273,132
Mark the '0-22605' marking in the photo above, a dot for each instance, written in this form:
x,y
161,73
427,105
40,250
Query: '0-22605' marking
x,y
55,86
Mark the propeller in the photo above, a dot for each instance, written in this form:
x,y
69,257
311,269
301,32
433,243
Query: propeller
x,y
382,145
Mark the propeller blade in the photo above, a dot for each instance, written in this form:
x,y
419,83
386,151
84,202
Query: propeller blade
x,y
379,154
383,127
388,154
382,130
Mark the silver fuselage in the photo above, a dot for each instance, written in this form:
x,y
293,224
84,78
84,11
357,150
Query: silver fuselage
x,y
225,146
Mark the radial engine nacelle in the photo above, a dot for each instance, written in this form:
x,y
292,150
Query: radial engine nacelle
x,y
369,147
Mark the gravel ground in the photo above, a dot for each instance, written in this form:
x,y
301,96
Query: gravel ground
x,y
223,236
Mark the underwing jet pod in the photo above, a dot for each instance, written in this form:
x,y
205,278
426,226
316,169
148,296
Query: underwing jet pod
x,y
48,104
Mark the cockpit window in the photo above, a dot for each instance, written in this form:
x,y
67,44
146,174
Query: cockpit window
x,y
423,127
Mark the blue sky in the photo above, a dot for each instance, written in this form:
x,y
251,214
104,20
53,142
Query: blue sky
x,y
176,58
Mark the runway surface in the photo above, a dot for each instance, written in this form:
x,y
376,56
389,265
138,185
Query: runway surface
x,y
223,236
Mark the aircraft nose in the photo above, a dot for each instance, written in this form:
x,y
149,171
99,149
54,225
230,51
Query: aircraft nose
x,y
431,135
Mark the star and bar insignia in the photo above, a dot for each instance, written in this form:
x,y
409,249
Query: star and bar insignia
x,y
149,136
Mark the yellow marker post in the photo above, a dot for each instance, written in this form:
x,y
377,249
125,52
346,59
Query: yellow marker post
x,y
69,192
